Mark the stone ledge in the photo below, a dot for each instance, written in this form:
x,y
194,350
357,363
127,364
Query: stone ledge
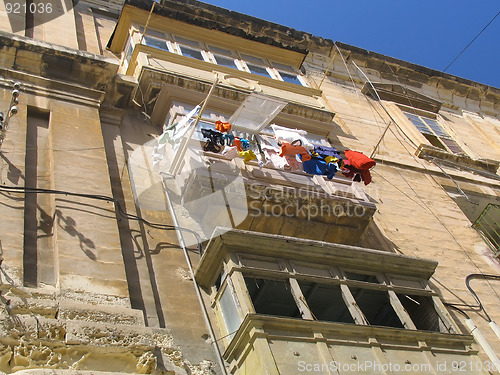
x,y
428,152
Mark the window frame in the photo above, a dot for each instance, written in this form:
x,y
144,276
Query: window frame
x,y
492,241
444,141
209,53
238,273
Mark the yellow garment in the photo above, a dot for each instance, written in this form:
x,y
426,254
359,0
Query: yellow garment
x,y
247,155
331,159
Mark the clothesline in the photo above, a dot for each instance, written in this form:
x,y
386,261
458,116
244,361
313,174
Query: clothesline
x,y
295,153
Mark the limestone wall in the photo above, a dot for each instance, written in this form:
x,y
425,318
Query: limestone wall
x,y
414,212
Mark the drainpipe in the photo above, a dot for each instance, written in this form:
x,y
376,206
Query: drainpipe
x,y
495,328
482,341
183,244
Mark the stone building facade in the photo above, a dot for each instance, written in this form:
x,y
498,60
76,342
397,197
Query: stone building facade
x,y
129,248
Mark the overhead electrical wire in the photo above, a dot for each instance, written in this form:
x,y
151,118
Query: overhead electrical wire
x,y
118,206
472,41
429,158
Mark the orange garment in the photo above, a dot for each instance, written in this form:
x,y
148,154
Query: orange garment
x,y
237,143
222,126
359,160
289,149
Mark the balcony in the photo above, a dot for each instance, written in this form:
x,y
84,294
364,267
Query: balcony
x,y
160,73
283,302
213,191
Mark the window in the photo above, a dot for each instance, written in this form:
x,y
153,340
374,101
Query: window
x,y
434,132
422,312
221,56
376,307
326,302
229,311
129,48
272,297
488,225
350,301
155,42
189,48
255,65
225,61
288,74
290,78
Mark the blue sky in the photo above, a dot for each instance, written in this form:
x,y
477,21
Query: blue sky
x,y
430,33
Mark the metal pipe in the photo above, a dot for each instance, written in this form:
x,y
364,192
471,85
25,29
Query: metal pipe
x,y
495,328
147,22
482,341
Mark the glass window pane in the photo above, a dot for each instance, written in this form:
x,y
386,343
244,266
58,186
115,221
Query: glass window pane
x,y
152,32
225,61
220,51
130,49
435,141
258,70
229,312
421,126
286,68
452,145
290,78
193,53
252,59
187,42
433,124
154,42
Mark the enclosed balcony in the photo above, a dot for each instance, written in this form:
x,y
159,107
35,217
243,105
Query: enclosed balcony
x,y
286,305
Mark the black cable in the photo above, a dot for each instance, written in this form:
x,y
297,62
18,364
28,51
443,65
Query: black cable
x,y
453,306
472,41
121,211
479,276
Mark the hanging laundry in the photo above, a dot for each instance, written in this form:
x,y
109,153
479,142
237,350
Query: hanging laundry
x,y
318,166
228,138
222,127
293,164
282,134
357,166
242,143
230,152
237,143
359,160
247,155
272,157
293,149
245,144
214,142
328,154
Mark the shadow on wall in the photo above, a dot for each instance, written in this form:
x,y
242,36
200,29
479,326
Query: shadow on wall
x,y
374,238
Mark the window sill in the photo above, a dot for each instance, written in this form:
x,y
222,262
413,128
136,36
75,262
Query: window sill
x,y
159,54
288,329
429,152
